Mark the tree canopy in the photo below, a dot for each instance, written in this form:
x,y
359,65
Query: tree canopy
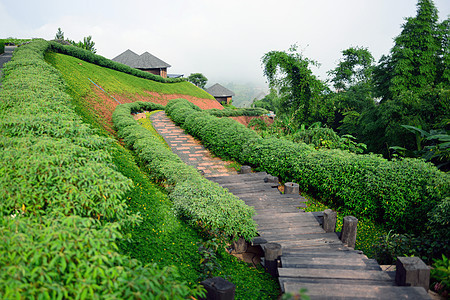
x,y
198,79
289,73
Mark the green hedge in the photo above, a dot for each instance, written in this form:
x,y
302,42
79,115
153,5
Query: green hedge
x,y
62,199
107,63
399,193
229,112
201,202
223,135
2,47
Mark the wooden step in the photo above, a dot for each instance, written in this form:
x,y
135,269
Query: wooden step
x,y
318,291
334,274
355,263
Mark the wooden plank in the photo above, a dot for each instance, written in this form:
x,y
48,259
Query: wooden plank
x,y
352,263
335,274
331,238
341,251
273,225
347,292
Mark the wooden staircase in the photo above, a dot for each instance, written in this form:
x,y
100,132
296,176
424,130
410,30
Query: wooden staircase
x,y
312,258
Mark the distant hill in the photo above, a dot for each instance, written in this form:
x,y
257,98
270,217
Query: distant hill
x,y
245,93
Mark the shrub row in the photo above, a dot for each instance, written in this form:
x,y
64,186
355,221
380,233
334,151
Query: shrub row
x,y
107,63
229,112
401,193
2,47
198,200
223,135
62,199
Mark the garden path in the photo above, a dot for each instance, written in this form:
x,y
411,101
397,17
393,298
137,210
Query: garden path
x,y
310,257
190,150
5,57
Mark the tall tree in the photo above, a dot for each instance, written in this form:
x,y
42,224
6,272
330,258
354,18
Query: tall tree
x,y
415,55
289,73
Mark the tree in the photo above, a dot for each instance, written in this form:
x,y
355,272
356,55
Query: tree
x,y
198,79
289,73
354,68
415,55
59,34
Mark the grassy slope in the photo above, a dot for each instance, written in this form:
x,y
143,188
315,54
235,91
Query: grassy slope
x,y
119,86
161,238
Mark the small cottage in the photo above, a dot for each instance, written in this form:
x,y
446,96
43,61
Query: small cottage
x,y
145,62
222,94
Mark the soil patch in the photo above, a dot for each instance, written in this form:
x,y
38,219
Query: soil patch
x,y
103,104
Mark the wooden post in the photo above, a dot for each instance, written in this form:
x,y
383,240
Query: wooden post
x,y
218,288
412,271
329,220
246,169
291,188
348,235
240,246
271,253
271,179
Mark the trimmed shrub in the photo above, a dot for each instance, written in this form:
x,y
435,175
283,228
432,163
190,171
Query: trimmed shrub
x,y
202,203
62,199
398,193
229,112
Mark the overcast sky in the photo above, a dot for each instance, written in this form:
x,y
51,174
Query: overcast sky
x,y
224,40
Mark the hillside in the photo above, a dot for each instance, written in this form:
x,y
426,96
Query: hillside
x,y
103,89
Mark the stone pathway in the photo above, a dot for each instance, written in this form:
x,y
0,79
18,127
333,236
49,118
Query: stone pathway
x,y
5,57
189,149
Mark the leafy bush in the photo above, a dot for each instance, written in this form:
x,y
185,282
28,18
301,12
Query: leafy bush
x,y
195,198
63,201
319,137
2,47
237,112
399,193
440,274
88,56
58,257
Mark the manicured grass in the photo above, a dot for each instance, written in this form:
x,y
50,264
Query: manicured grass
x,y
76,73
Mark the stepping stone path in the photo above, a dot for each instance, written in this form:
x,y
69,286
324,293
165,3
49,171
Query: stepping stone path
x,y
190,150
310,258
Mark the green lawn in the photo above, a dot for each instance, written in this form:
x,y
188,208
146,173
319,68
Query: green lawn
x,y
77,73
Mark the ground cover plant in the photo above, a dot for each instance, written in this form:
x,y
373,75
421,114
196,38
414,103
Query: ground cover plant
x,y
404,194
161,237
64,200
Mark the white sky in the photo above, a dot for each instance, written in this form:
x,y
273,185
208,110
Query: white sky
x,y
224,40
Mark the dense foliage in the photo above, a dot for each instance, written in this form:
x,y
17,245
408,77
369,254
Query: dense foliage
x,y
202,202
198,79
63,198
400,193
2,47
372,101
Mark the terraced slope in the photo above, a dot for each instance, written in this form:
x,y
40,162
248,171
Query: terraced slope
x,y
103,89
